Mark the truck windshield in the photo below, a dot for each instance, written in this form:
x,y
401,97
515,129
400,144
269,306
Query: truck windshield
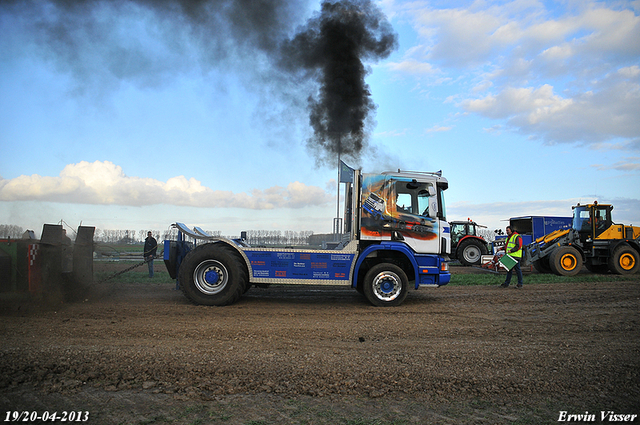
x,y
581,220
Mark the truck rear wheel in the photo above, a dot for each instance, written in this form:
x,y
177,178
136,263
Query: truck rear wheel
x,y
470,252
212,274
625,260
385,285
566,261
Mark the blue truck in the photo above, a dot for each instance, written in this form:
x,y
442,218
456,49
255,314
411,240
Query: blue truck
x,y
533,227
396,237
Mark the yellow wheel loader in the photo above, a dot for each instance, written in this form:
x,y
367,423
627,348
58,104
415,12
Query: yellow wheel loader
x,y
593,240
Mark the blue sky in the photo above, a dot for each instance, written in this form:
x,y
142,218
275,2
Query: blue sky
x,y
119,116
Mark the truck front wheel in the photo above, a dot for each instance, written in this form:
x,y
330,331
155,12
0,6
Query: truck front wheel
x,y
625,260
212,275
385,285
565,261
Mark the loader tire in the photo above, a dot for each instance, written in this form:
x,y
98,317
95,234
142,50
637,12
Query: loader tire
x,y
385,285
565,261
470,252
597,268
542,265
625,260
212,274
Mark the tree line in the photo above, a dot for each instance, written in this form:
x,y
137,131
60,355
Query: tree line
x,y
124,237
130,236
278,237
253,237
11,231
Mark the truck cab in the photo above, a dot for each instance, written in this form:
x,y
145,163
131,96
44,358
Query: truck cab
x,y
408,208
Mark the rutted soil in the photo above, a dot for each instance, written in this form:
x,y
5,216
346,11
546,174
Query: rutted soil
x,y
140,353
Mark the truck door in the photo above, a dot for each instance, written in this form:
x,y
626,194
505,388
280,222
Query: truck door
x,y
414,212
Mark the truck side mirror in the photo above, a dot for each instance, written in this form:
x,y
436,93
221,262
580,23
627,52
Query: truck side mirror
x,y
433,207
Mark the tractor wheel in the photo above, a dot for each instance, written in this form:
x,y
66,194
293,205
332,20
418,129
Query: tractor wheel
x,y
565,261
212,274
385,285
625,260
542,265
470,252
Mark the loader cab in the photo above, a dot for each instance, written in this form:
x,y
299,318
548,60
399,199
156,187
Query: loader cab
x,y
602,219
591,220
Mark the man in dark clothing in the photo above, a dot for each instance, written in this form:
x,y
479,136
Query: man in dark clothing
x,y
150,247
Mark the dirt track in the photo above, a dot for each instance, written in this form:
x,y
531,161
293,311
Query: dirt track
x,y
140,353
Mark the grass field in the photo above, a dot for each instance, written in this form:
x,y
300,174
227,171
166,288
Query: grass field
x,y
533,278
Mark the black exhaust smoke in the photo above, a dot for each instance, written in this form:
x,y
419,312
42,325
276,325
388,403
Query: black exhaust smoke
x,y
332,48
150,41
90,40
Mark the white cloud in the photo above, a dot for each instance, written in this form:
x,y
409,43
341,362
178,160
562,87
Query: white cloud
x,y
458,37
496,129
412,67
105,183
627,164
483,86
532,103
557,53
616,32
608,113
559,72
630,71
617,145
394,133
437,128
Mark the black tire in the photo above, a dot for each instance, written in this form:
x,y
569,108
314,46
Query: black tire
x,y
212,274
625,260
385,285
542,265
244,271
565,261
597,268
470,252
